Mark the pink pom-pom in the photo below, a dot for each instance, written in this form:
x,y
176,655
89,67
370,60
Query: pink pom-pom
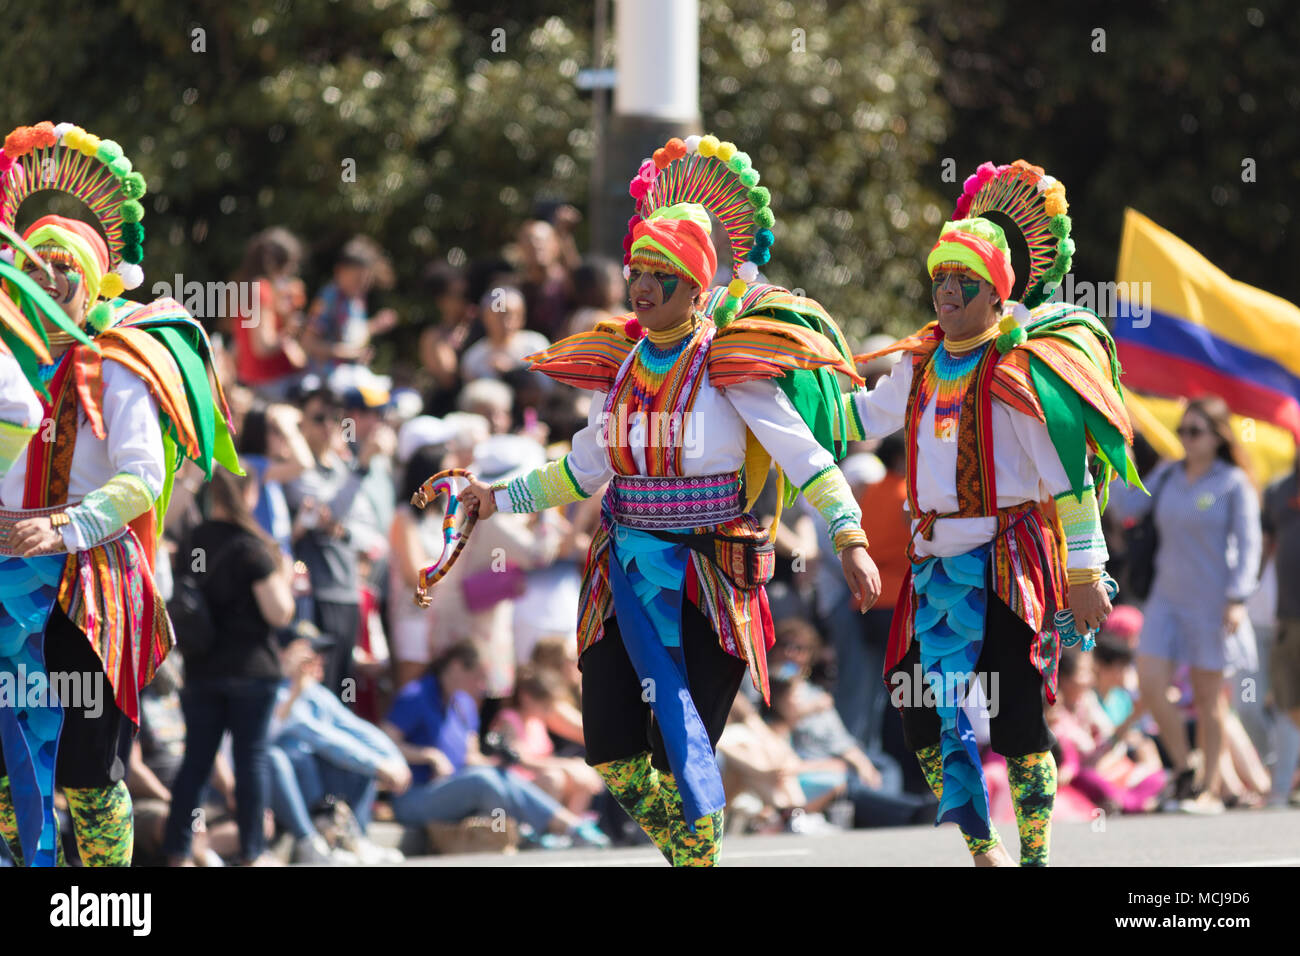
x,y
6,162
971,184
648,171
633,328
627,243
633,223
963,206
638,188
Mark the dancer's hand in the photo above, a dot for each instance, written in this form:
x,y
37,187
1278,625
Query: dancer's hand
x,y
34,535
862,576
480,494
1090,606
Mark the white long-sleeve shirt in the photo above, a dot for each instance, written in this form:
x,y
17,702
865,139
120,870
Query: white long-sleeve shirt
x,y
133,442
1026,466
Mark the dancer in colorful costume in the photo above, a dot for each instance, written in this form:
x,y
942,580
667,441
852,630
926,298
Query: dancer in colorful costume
x,y
1003,401
101,399
693,399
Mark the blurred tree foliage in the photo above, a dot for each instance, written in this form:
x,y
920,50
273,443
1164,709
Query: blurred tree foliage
x,y
1162,121
458,116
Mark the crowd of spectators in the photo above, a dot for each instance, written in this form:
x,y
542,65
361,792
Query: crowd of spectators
x,y
330,700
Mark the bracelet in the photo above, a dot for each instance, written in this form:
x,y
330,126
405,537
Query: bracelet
x,y
1084,575
59,519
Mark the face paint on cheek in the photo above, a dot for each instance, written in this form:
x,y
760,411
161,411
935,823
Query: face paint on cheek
x,y
668,283
969,289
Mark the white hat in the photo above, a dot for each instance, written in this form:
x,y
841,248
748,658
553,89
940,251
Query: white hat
x,y
506,456
863,468
419,432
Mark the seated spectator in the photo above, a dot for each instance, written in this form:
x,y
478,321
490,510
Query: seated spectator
x,y
320,749
339,326
443,339
268,356
524,727
599,292
506,341
435,723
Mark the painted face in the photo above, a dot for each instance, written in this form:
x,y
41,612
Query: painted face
x,y
962,281
660,299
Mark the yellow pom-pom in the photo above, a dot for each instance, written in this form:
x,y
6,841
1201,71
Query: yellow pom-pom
x,y
1007,324
708,145
89,145
111,286
736,287
726,151
72,138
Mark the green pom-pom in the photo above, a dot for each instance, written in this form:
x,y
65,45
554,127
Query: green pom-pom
x,y
759,197
739,162
108,151
99,317
1059,226
120,167
725,311
764,218
749,177
131,211
132,233
1065,249
133,186
1005,342
133,252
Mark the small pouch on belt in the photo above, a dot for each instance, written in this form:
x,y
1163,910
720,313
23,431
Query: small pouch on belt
x,y
743,552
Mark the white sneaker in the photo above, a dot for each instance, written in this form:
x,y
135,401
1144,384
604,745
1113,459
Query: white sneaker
x,y
372,854
342,857
311,849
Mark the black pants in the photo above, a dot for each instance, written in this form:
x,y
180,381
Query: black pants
x,y
1017,725
619,724
342,622
95,742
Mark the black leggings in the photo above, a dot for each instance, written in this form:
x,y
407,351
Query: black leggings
x,y
1018,726
619,724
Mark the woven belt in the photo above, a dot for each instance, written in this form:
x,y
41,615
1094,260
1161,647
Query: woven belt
x,y
9,519
691,501
926,520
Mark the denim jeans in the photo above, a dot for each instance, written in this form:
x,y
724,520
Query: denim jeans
x,y
242,706
300,780
475,791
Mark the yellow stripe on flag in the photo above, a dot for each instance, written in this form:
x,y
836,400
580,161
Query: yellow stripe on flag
x,y
1187,286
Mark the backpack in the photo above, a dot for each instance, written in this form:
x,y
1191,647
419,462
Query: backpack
x,y
192,621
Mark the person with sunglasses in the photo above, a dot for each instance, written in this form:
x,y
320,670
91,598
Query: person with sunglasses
x,y
1207,517
999,405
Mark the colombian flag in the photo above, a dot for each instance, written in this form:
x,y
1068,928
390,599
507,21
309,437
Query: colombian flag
x,y
1206,333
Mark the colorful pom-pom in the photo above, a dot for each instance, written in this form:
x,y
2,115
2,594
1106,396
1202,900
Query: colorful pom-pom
x,y
133,252
1007,323
764,238
661,158
120,167
100,316
132,275
693,144
1005,342
62,129
759,197
133,186
675,148
132,232
627,242
89,145
111,286
1059,226
108,151
748,271
638,187
760,255
131,211
6,162
648,170
736,288
1065,248
739,162
708,145
765,218
749,177
633,329
724,313
726,150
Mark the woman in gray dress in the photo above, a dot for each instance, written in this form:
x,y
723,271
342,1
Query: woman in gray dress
x,y
1207,564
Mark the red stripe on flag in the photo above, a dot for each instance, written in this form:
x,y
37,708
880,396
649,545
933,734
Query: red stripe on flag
x,y
1151,370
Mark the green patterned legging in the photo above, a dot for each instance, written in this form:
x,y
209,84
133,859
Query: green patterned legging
x,y
101,821
652,799
1032,779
